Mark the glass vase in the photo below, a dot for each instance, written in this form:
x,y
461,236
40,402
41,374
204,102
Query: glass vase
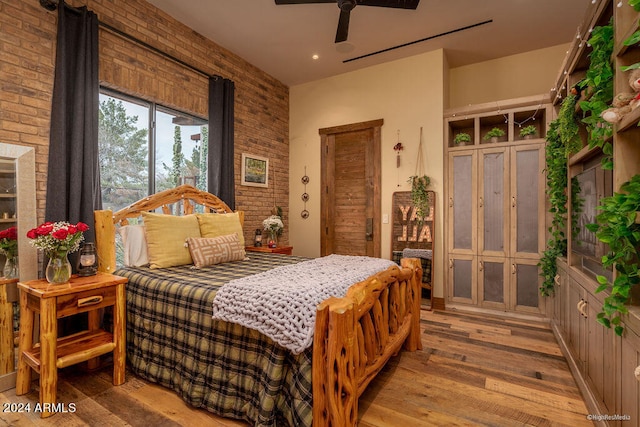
x,y
273,238
58,268
10,270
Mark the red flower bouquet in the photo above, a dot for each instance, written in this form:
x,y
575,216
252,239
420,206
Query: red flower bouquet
x,y
9,242
58,239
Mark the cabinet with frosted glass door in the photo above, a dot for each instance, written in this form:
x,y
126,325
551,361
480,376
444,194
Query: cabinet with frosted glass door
x,y
496,218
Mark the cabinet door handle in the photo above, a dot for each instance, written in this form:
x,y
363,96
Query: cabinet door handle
x,y
581,305
582,309
83,302
513,202
481,202
514,269
637,373
450,263
481,265
450,202
556,279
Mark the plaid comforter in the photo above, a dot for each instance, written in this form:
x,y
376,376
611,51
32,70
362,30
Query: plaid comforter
x,y
230,370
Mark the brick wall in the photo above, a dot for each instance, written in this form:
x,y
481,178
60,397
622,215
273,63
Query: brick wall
x,y
27,58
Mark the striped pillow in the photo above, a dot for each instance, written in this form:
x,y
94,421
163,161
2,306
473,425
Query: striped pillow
x,y
215,250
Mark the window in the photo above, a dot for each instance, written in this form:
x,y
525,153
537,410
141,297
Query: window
x,y
138,158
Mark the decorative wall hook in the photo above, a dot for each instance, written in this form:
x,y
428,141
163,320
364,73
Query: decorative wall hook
x,y
398,148
305,196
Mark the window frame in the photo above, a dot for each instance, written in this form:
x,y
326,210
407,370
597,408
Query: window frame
x,y
153,107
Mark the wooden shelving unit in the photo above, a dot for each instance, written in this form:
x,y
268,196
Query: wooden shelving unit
x,y
602,363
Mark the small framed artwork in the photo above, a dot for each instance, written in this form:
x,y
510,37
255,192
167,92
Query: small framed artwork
x,y
255,171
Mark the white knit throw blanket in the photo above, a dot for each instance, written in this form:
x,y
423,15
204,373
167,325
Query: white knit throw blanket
x,y
281,303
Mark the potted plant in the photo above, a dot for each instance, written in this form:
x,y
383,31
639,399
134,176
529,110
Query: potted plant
x,y
528,132
494,134
462,138
420,195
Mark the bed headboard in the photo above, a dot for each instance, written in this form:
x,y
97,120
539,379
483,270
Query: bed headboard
x,y
105,221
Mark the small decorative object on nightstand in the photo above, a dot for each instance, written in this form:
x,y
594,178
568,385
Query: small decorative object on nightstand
x,y
52,302
258,240
87,261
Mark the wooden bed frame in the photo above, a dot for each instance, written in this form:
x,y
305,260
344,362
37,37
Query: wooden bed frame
x,y
354,336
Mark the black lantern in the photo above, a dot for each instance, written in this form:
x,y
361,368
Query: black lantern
x,y
258,240
88,260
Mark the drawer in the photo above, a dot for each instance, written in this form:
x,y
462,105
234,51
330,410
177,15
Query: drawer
x,y
81,302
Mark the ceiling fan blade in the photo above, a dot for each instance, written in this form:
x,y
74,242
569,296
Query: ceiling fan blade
x,y
278,2
397,4
343,26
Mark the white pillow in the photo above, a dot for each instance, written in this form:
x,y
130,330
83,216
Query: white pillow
x,y
135,245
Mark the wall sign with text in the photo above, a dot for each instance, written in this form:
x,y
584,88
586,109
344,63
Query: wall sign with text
x,y
408,230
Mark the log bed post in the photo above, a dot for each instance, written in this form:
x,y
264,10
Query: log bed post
x,y
414,342
105,240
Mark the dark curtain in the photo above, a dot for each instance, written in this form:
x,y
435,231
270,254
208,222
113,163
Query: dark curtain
x,y
73,180
220,171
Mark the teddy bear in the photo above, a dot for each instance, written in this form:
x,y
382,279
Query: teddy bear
x,y
620,107
624,102
634,80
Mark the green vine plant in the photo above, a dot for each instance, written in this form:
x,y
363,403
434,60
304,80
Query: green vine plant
x,y
556,160
635,4
618,226
599,79
563,139
568,126
420,195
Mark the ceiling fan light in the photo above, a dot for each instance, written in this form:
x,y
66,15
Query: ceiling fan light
x,y
344,47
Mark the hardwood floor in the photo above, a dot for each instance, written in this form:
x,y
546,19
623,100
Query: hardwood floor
x,y
474,370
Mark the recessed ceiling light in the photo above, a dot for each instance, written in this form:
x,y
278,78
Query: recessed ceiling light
x,y
315,56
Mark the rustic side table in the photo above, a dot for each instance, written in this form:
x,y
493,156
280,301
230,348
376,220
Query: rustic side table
x,y
287,250
52,302
7,355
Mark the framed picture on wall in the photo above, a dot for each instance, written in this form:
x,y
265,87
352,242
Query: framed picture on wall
x,y
255,171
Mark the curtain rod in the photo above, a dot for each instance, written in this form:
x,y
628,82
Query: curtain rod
x,y
52,5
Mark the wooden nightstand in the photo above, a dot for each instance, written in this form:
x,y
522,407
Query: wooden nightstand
x,y
7,356
52,302
286,250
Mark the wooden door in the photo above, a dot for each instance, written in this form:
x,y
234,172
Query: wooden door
x,y
350,202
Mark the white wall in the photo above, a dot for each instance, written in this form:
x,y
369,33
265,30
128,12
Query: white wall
x,y
407,94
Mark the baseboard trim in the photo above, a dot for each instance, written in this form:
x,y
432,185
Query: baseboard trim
x,y
437,303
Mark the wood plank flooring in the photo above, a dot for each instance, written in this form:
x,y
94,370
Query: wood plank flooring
x,y
474,370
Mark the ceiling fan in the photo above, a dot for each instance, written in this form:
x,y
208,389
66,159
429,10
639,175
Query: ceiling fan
x,y
346,6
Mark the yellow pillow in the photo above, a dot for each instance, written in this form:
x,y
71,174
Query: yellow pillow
x,y
214,225
166,235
